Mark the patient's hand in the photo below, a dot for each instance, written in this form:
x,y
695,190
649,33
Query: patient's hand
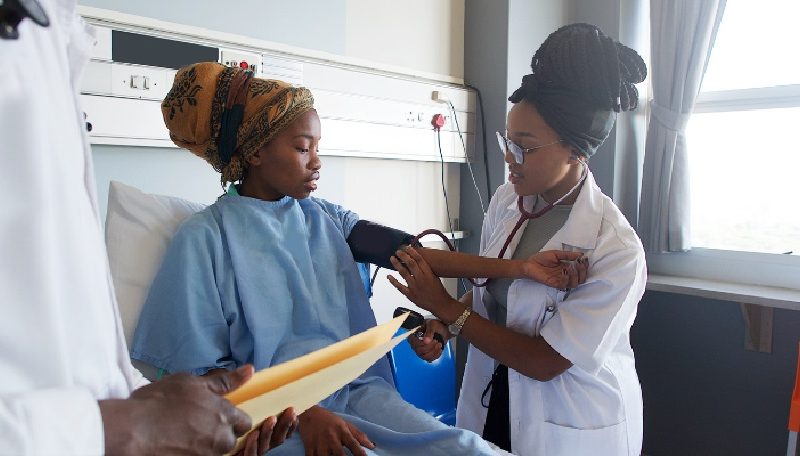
x,y
557,268
325,433
427,347
271,433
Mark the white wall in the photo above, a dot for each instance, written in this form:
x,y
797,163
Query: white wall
x,y
529,24
421,35
313,24
425,35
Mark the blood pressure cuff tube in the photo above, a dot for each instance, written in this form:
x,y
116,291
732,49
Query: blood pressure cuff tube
x,y
374,243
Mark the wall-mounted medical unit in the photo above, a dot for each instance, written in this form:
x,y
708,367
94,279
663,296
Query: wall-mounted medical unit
x,y
365,112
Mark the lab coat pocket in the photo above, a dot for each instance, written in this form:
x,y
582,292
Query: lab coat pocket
x,y
570,441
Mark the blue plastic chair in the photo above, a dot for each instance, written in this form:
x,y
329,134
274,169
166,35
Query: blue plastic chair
x,y
428,386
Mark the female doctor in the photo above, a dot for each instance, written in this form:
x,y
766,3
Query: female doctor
x,y
551,371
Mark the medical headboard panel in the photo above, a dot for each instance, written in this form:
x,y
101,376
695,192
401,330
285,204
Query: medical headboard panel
x,y
365,112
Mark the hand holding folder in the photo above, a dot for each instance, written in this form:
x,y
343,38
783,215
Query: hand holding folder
x,y
305,381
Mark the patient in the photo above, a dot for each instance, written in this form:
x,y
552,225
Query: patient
x,y
267,274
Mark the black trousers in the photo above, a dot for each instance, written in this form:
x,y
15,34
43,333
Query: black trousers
x,y
497,428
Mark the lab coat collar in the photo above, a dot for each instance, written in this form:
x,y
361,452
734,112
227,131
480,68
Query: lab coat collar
x,y
583,225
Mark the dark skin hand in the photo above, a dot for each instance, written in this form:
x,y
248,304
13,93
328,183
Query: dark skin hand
x,y
324,433
181,414
555,268
272,432
426,347
529,355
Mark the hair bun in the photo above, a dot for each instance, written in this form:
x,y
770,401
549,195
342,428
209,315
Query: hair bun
x,y
581,59
632,70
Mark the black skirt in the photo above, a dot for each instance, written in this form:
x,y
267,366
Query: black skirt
x,y
497,428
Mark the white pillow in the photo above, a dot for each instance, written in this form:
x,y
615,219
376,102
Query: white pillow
x,y
139,227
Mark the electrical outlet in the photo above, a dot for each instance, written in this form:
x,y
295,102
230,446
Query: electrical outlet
x,y
247,60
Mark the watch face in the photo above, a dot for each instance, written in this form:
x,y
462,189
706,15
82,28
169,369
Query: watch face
x,y
454,329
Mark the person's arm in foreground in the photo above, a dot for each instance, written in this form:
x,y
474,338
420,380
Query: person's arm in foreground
x,y
181,414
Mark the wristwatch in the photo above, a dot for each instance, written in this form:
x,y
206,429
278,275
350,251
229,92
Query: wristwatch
x,y
455,327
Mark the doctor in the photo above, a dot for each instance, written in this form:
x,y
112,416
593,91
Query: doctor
x,y
66,383
551,371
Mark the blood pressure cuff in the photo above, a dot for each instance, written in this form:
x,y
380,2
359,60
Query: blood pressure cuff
x,y
374,243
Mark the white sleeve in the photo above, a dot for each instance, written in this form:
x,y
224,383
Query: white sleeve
x,y
137,379
64,421
589,323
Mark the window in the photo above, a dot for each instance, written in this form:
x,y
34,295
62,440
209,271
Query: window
x,y
743,137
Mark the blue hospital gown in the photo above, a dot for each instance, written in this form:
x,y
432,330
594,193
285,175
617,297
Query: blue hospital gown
x,y
262,282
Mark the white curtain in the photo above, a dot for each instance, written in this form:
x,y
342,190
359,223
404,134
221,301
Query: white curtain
x,y
682,33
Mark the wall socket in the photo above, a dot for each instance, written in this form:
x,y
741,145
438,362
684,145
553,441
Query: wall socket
x,y
235,59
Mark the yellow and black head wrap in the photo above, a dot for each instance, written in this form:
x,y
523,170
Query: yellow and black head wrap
x,y
224,114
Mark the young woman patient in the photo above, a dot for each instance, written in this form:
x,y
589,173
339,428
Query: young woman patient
x,y
267,274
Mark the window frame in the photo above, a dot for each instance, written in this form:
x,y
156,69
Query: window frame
x,y
753,268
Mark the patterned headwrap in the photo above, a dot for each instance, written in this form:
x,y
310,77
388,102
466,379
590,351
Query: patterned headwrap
x,y
224,115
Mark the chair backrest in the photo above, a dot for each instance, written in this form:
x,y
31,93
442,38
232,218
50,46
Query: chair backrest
x,y
428,386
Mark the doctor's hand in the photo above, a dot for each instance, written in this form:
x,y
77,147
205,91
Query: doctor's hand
x,y
423,287
181,414
271,433
325,433
557,268
427,347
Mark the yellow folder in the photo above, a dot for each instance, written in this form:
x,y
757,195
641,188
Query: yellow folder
x,y
304,381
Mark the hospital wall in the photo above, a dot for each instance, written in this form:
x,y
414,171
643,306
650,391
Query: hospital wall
x,y
367,30
704,394
421,35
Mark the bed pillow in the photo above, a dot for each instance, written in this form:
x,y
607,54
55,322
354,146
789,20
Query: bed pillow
x,y
139,227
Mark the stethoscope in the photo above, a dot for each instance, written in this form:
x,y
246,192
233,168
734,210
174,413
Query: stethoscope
x,y
524,217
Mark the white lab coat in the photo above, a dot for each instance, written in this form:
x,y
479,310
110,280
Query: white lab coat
x,y
61,342
595,407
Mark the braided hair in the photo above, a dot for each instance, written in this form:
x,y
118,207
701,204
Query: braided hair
x,y
578,71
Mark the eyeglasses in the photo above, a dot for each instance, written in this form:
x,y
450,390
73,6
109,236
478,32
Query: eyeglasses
x,y
518,152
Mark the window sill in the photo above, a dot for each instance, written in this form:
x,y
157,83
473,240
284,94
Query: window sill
x,y
775,297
